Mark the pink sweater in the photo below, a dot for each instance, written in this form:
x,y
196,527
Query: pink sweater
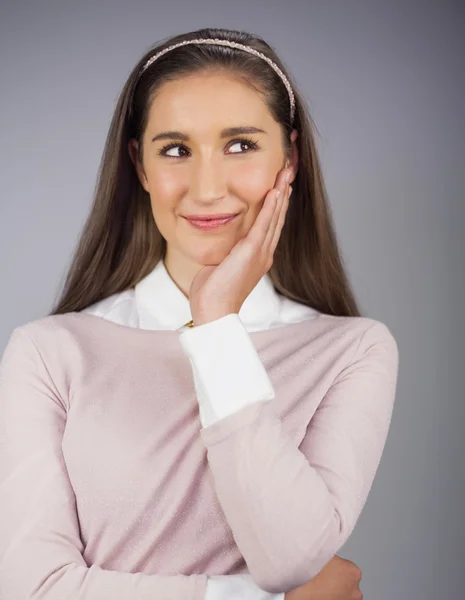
x,y
111,490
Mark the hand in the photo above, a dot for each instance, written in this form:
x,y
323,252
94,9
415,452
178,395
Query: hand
x,y
220,290
338,580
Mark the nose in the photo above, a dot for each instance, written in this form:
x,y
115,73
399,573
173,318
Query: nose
x,y
208,181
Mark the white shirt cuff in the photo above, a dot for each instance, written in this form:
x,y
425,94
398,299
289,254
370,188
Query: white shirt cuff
x,y
227,370
236,587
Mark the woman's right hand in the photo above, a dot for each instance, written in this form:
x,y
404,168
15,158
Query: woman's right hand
x,y
338,580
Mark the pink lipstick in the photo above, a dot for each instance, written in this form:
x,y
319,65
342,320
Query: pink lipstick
x,y
209,222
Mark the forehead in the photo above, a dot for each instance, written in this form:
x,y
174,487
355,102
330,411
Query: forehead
x,y
208,96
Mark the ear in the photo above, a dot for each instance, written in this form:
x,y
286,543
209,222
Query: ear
x,y
293,161
133,148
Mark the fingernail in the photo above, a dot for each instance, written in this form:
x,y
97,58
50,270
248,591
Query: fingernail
x,y
288,176
277,194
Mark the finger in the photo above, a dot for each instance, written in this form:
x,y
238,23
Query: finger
x,y
284,189
261,232
258,232
281,221
274,221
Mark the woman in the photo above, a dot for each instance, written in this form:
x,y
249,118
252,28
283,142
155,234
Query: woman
x,y
205,407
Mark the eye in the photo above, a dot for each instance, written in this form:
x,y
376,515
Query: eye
x,y
252,145
244,142
164,151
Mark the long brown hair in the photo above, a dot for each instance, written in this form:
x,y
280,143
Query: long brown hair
x,y
120,243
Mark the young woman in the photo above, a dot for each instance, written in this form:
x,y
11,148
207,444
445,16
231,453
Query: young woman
x,y
203,413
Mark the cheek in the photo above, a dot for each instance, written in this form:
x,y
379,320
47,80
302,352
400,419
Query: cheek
x,y
165,189
165,184
249,181
252,181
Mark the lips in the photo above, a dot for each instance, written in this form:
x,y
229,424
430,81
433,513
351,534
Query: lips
x,y
210,223
210,217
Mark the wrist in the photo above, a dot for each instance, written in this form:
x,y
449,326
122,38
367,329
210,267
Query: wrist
x,y
203,319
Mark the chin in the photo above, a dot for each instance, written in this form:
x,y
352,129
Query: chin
x,y
210,254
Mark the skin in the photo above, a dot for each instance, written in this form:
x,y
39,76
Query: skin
x,y
338,580
211,174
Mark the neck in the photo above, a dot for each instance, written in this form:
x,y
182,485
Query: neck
x,y
181,270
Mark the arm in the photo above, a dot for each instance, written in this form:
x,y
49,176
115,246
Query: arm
x,y
40,544
291,509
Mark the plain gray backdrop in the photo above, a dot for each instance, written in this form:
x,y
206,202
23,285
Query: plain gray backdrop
x,y
385,85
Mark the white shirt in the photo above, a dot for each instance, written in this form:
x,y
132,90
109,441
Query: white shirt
x,y
217,351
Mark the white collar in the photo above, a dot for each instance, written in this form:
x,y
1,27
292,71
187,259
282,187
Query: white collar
x,y
162,305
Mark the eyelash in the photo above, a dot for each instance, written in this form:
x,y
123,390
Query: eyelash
x,y
253,144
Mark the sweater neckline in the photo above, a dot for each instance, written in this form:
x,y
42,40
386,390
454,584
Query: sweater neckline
x,y
287,329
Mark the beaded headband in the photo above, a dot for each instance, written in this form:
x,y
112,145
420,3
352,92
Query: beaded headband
x,y
217,42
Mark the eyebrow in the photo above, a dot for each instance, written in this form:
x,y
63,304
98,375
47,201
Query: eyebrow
x,y
229,132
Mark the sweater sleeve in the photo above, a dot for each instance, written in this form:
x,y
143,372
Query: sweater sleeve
x,y
291,509
40,546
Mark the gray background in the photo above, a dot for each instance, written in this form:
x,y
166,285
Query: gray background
x,y
385,83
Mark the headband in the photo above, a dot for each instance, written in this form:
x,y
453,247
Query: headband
x,y
217,42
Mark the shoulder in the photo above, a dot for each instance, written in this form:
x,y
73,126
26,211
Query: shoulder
x,y
372,332
62,335
37,350
53,331
59,348
293,312
46,354
368,344
360,328
364,331
119,308
353,336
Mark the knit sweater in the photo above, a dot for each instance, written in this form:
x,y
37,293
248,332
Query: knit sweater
x,y
111,488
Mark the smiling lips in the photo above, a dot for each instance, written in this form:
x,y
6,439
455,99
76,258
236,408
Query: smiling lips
x,y
206,222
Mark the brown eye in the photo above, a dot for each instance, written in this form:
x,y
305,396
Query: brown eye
x,y
183,151
164,151
244,142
